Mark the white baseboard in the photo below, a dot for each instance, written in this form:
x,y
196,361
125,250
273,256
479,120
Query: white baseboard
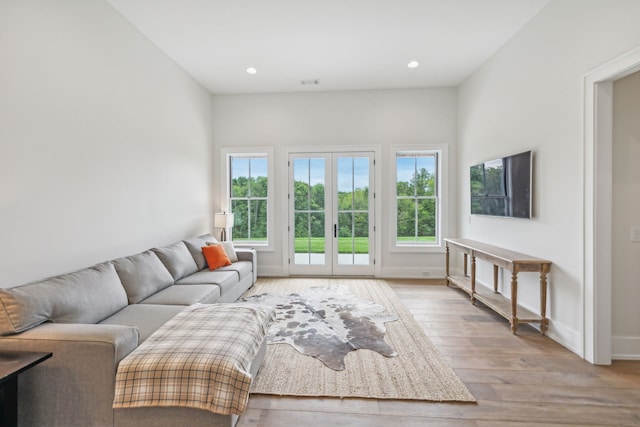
x,y
271,271
625,348
412,273
558,332
386,273
566,337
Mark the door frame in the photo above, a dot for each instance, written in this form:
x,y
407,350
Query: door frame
x,y
377,201
598,218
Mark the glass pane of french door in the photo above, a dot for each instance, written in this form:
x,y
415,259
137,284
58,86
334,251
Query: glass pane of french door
x,y
353,210
309,211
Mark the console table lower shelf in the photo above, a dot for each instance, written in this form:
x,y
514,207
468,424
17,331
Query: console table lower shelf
x,y
496,301
501,258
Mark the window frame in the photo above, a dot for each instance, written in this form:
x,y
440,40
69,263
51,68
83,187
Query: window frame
x,y
226,154
440,190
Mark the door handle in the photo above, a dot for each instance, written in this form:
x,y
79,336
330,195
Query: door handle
x,y
335,230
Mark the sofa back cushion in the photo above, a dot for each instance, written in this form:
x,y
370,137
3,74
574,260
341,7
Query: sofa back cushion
x,y
177,259
195,245
85,296
142,275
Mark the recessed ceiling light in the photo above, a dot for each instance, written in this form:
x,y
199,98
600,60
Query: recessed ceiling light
x,y
251,70
413,64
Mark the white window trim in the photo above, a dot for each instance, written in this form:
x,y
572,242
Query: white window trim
x,y
225,154
443,198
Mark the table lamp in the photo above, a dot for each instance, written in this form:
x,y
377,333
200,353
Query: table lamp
x,y
223,220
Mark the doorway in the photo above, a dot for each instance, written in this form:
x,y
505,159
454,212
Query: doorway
x,y
331,213
598,148
625,322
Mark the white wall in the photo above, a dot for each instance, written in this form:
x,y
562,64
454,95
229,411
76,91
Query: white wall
x,y
104,142
363,118
529,96
626,214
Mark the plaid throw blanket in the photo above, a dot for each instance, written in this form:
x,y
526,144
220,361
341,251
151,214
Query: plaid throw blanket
x,y
199,359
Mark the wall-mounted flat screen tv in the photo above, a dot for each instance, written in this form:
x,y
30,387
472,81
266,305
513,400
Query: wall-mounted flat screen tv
x,y
502,187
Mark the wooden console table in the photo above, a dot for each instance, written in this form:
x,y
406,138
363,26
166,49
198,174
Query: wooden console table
x,y
500,258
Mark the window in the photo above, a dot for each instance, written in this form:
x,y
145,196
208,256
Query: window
x,y
248,191
417,198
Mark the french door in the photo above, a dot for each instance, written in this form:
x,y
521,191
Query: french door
x,y
331,213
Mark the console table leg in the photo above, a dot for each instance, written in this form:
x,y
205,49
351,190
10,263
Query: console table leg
x,y
514,301
473,279
544,322
465,257
446,256
495,278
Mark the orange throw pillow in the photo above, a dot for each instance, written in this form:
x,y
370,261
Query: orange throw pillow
x,y
216,256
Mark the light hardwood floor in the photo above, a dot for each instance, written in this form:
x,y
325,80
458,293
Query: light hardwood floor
x,y
520,380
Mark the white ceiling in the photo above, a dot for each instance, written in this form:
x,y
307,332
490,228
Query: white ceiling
x,y
345,44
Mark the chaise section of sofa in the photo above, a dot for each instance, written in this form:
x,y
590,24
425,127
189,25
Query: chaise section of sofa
x,y
92,318
177,416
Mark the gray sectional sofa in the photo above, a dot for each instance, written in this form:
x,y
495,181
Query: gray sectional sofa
x,y
92,318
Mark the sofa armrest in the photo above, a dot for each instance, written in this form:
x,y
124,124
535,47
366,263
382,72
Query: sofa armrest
x,y
55,336
249,254
85,358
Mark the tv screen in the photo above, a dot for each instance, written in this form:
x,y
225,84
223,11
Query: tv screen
x,y
502,187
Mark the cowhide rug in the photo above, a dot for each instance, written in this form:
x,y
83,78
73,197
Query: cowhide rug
x,y
327,323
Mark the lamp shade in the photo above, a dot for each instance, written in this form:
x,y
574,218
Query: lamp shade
x,y
223,220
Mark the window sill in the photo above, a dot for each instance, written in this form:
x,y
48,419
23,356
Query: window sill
x,y
257,247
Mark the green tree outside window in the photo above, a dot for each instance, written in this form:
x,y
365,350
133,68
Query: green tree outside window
x,y
249,196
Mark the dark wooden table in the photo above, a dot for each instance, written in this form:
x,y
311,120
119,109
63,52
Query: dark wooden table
x,y
12,364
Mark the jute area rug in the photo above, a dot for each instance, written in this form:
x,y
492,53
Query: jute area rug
x,y
418,372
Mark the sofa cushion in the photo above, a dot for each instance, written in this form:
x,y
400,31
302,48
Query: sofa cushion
x,y
185,295
230,287
225,279
142,275
243,268
236,291
177,259
195,245
146,317
84,296
216,256
230,251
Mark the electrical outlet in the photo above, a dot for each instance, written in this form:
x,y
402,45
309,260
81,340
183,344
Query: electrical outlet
x,y
635,234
